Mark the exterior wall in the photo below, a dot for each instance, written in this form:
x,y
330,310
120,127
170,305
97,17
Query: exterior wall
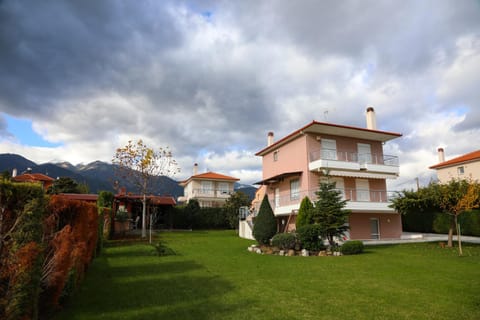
x,y
471,171
212,198
390,225
291,157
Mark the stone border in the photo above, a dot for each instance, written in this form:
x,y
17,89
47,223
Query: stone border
x,y
291,253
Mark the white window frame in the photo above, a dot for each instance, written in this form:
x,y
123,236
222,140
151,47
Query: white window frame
x,y
328,149
295,189
461,170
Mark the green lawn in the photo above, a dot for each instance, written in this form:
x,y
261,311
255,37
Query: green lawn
x,y
213,276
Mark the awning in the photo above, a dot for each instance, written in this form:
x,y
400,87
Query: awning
x,y
361,174
279,177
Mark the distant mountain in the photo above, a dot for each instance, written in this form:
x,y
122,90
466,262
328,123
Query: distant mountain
x,y
10,161
98,176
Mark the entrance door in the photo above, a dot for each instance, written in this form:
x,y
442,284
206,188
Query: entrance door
x,y
374,228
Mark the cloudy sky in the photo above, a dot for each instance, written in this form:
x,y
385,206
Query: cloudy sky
x,y
209,79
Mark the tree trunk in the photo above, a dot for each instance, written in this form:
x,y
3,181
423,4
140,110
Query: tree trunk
x,y
459,240
144,214
450,234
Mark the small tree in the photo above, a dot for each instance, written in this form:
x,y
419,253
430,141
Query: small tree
x,y
455,198
232,205
304,216
328,211
138,163
265,225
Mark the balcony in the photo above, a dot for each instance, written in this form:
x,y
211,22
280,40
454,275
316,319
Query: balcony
x,y
211,193
357,200
365,165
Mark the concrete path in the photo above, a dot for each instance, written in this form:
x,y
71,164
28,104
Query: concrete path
x,y
411,237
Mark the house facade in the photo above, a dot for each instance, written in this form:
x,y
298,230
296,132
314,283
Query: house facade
x,y
294,165
466,166
210,189
44,180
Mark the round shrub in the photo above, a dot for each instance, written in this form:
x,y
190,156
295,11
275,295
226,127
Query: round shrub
x,y
310,237
352,247
284,241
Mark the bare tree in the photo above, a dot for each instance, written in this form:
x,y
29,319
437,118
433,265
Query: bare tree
x,y
138,163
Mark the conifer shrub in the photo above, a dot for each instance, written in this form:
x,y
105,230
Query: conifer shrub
x,y
265,225
284,241
304,216
352,247
310,237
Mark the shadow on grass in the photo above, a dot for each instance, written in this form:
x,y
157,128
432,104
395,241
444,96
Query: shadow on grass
x,y
148,287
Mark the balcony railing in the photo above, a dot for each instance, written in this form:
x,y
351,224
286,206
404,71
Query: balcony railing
x,y
361,158
211,193
354,195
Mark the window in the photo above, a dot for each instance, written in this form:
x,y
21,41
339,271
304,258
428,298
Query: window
x,y
461,170
294,189
277,197
328,149
223,188
275,155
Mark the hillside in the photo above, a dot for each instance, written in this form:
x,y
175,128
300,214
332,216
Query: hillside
x,y
97,175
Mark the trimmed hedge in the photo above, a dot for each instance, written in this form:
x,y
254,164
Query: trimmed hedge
x,y
284,241
352,247
310,237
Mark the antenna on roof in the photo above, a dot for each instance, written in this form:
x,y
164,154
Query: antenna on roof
x,y
325,114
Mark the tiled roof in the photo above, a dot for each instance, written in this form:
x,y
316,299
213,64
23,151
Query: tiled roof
x,y
368,134
80,196
29,177
475,155
213,175
209,176
158,200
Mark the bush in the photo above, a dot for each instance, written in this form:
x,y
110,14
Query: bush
x,y
265,224
310,237
284,241
442,222
352,247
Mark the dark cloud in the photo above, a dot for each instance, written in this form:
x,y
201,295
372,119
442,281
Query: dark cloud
x,y
52,50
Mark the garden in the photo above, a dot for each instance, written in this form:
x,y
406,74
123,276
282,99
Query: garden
x,y
211,275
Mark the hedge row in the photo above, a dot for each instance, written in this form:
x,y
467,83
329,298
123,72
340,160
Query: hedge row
x,y
430,221
46,245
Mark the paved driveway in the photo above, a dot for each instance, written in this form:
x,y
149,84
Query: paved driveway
x,y
412,237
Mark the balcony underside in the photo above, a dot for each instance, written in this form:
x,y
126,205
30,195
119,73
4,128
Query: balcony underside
x,y
355,169
354,206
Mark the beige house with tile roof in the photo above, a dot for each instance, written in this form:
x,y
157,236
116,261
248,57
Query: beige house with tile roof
x,y
210,189
466,166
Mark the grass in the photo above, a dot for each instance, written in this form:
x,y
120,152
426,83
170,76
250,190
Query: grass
x,y
213,276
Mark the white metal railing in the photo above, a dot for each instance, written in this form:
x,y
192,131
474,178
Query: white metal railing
x,y
211,193
357,195
362,158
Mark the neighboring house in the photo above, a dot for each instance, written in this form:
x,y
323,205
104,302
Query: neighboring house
x,y
210,189
466,166
44,180
294,165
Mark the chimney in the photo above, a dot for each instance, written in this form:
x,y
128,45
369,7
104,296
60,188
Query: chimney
x,y
371,120
14,173
441,155
270,139
195,169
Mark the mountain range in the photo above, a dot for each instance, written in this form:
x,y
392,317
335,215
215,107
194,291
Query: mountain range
x,y
97,175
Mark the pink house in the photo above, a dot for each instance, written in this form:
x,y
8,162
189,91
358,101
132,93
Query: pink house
x,y
294,165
